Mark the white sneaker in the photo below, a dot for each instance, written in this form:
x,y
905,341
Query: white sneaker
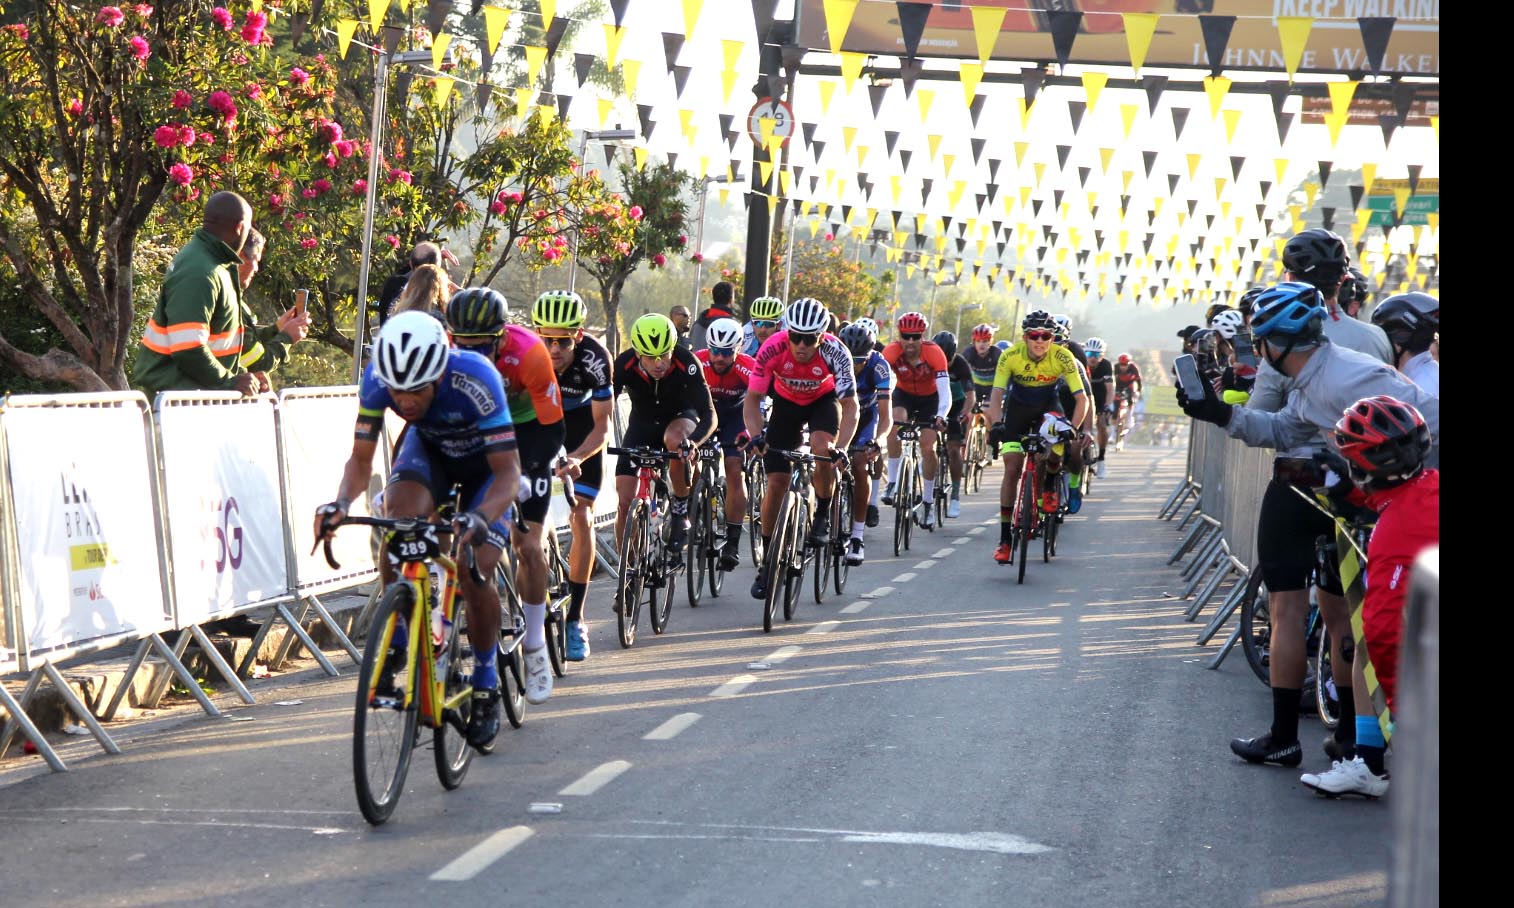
x,y
538,675
1347,777
854,552
954,508
1099,470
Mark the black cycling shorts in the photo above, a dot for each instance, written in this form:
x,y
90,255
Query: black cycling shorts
x,y
579,422
538,449
647,433
1022,419
954,430
786,424
1286,531
917,407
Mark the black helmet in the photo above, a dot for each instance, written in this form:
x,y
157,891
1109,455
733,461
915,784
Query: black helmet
x,y
1354,289
1248,299
1317,254
1038,319
1409,319
947,341
857,339
477,312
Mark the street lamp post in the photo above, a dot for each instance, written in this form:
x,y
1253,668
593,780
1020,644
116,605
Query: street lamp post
x,y
606,135
704,192
962,309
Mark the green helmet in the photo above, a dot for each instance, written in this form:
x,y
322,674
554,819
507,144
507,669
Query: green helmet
x,y
767,308
558,309
653,334
477,312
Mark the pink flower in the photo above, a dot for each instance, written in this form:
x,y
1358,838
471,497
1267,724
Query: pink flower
x,y
19,30
110,16
636,212
298,77
222,104
252,27
139,48
221,17
697,257
683,240
252,90
328,130
300,215
166,136
498,207
331,160
275,202
142,10
309,193
344,148
623,248
659,259
393,241
75,107
309,242
829,237
182,99
725,272
551,255
321,186
400,176
186,135
180,173
360,187
539,214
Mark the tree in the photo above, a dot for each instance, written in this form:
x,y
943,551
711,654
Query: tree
x,y
824,271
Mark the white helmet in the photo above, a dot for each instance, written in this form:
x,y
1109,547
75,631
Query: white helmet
x,y
1227,322
1094,346
1063,328
807,316
411,351
724,333
868,325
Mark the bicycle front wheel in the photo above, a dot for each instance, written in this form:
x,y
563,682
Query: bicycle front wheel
x,y
1326,697
449,742
557,605
1025,517
777,563
841,516
512,672
798,555
383,722
715,539
1256,628
756,488
694,557
632,578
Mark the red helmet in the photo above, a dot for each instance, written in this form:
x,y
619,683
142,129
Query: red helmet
x,y
1124,359
1381,439
911,323
983,332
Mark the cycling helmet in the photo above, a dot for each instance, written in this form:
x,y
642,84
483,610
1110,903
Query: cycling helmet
x,y
1248,299
1409,319
411,351
1290,311
1383,440
1038,319
653,334
1002,345
807,316
767,308
1354,289
911,323
857,339
1205,341
1063,328
1227,322
1124,359
724,333
947,341
984,332
559,309
477,312
1316,253
1094,346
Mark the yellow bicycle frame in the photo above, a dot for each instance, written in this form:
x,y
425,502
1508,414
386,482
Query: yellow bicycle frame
x,y
420,647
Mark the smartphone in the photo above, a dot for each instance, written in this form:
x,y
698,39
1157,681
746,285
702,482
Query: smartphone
x,y
1245,350
300,297
1189,378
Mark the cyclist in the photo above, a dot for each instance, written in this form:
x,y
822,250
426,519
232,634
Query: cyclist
x,y
729,374
1101,377
1354,292
476,316
964,396
670,405
1128,390
982,358
1411,321
922,394
767,313
583,373
453,403
809,375
872,329
1024,389
875,380
1077,452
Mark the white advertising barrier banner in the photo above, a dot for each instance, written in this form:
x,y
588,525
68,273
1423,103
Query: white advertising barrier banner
x,y
315,434
80,486
220,460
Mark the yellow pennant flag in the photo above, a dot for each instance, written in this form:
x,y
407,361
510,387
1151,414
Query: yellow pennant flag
x,y
1126,176
1280,167
535,57
774,146
345,29
496,20
838,18
987,23
947,160
830,176
1216,87
851,68
732,51
630,73
376,11
1024,116
1335,122
926,97
805,208
894,185
1435,125
1020,149
848,134
1400,199
1232,120
940,243
613,37
641,157
955,195
827,90
1369,176
548,13
685,118
814,228
971,74
765,127
1293,32
1219,186
605,106
1105,155
934,143
439,49
1093,84
861,154
772,205
691,10
1193,166
1040,172
704,166
1139,30
1311,192
725,195
728,79
1340,96
1128,114
1025,192
1156,206
523,98
442,91
785,181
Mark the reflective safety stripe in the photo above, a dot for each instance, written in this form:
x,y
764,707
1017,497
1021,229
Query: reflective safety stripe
x,y
251,355
229,343
183,336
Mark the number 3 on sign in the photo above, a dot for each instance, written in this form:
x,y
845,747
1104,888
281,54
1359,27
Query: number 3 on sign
x,y
779,115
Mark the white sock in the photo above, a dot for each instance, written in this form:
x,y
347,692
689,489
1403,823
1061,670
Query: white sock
x,y
536,632
930,490
893,469
877,490
858,526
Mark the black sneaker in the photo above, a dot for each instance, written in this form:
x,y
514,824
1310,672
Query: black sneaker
x,y
1336,751
820,530
730,556
483,718
888,494
678,532
760,585
394,663
1264,750
872,515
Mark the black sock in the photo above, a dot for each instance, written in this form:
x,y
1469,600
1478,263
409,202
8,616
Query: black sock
x,y
1372,755
733,534
576,594
1006,524
1285,715
1345,732
822,508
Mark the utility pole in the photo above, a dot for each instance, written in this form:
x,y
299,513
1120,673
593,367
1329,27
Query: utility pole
x,y
759,225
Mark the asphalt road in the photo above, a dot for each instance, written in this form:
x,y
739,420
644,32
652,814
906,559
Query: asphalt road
x,y
938,735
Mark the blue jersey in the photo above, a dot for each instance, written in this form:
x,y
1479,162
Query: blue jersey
x,y
873,376
468,418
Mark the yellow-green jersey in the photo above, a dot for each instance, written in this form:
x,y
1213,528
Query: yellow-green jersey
x,y
1035,382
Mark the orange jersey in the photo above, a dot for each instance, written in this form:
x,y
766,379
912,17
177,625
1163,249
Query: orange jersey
x,y
918,379
530,381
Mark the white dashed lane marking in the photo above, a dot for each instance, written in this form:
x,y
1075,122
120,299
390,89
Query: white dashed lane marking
x,y
671,728
471,862
596,778
905,577
854,608
879,593
780,654
944,552
823,627
734,686
975,531
925,564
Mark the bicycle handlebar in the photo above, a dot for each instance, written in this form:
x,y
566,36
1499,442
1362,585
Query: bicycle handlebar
x,y
403,524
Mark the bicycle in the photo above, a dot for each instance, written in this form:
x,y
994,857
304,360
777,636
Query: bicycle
x,y
833,568
1124,420
429,681
975,457
910,480
942,491
756,488
790,550
1029,521
645,566
558,593
706,524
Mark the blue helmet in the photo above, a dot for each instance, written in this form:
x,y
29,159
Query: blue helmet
x,y
1291,310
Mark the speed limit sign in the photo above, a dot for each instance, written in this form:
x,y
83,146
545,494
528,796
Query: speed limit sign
x,y
781,114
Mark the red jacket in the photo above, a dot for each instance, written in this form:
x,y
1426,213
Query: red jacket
x,y
1408,522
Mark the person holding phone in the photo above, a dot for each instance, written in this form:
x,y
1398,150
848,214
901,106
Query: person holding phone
x,y
269,346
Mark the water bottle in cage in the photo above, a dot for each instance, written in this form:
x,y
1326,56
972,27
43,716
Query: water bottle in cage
x,y
438,622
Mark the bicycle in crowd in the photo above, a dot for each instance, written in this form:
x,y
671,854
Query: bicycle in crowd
x,y
789,552
907,492
1040,486
756,489
558,596
706,523
975,456
1124,419
646,567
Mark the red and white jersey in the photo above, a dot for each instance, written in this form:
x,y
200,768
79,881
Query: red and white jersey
x,y
728,389
804,383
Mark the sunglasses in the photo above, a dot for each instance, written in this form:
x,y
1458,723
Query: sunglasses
x,y
1039,335
911,337
723,351
557,340
807,340
475,340
764,323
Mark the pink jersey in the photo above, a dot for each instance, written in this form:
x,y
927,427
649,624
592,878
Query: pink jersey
x,y
803,383
729,389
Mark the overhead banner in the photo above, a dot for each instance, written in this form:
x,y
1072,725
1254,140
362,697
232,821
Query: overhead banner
x,y
88,568
221,493
1334,42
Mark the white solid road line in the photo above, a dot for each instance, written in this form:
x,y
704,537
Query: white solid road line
x,y
854,608
824,627
905,577
781,654
670,729
734,686
596,778
471,862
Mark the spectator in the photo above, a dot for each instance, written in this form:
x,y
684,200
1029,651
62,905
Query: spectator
x,y
680,318
422,254
722,297
270,346
1412,323
194,338
426,291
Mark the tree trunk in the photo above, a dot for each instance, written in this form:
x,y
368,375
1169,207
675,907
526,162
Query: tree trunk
x,y
609,292
55,366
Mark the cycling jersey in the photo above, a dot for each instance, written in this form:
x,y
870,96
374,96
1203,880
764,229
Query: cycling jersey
x,y
873,376
1035,382
587,376
1064,392
467,419
921,378
1100,375
959,376
750,342
1409,523
983,366
830,369
1127,379
1077,352
680,394
727,389
525,366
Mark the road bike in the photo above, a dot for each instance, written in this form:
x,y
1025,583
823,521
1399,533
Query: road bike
x,y
831,567
646,567
706,524
789,552
1031,520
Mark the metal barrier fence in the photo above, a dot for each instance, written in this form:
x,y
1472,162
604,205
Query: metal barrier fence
x,y
1415,877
